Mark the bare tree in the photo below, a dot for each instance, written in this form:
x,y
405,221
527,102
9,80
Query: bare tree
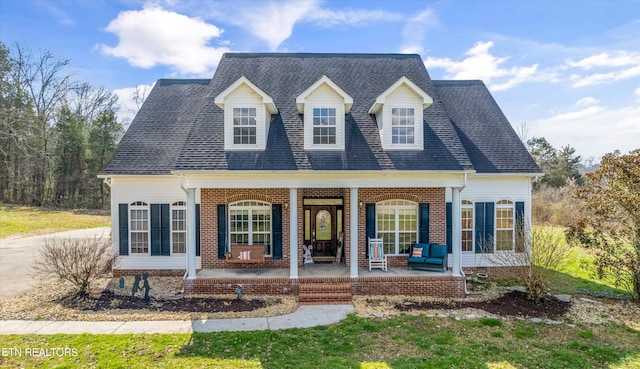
x,y
538,252
79,261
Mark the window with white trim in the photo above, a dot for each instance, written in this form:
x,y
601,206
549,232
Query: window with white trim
x,y
250,224
139,227
402,126
244,126
504,225
467,225
324,126
179,227
397,225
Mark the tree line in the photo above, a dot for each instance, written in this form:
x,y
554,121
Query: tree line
x,y
56,132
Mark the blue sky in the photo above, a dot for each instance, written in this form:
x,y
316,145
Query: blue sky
x,y
568,70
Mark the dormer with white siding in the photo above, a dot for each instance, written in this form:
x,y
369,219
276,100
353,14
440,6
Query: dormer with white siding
x,y
247,115
398,111
324,106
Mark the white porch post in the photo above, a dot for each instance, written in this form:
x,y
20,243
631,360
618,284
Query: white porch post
x,y
353,224
456,225
191,233
293,233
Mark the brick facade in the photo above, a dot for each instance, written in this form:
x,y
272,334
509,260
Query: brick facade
x,y
210,198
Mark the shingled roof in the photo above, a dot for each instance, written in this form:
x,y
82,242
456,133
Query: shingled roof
x,y
180,128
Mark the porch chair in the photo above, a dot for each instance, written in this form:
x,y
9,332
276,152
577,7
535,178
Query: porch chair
x,y
377,258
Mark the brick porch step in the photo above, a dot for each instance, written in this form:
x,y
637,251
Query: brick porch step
x,y
321,293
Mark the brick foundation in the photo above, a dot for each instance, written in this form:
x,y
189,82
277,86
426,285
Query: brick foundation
x,y
436,286
150,272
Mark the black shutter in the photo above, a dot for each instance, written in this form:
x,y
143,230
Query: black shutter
x,y
165,230
370,227
222,231
519,226
197,229
156,235
449,227
123,223
479,227
488,226
276,229
424,223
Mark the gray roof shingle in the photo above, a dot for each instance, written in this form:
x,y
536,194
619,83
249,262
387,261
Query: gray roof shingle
x,y
492,144
180,128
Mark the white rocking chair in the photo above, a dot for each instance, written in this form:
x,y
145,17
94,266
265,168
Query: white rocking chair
x,y
377,258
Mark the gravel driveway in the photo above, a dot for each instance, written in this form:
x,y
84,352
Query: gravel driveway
x,y
17,255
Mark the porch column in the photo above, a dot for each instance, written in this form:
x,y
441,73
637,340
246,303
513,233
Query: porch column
x,y
353,224
293,233
456,242
191,233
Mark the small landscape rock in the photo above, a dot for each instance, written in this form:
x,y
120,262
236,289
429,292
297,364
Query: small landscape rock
x,y
408,303
535,320
584,299
563,298
552,322
517,288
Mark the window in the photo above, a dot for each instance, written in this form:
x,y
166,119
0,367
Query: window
x,y
467,225
244,126
504,225
397,225
324,126
178,228
402,126
250,224
139,227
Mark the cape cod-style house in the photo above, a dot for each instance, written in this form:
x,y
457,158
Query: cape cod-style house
x,y
282,151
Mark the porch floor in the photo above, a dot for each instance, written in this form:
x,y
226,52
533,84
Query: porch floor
x,y
316,271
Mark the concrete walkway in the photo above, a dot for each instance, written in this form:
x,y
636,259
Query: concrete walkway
x,y
304,317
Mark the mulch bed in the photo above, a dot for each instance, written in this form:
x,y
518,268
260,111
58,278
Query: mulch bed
x,y
513,304
110,301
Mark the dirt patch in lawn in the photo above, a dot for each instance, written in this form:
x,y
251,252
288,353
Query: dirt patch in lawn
x,y
513,304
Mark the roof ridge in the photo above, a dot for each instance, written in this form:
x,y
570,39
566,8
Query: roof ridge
x,y
318,55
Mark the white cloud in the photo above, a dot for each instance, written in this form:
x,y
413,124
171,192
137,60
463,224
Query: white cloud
x,y
155,36
273,21
593,131
587,101
618,59
415,31
637,93
58,13
480,64
600,78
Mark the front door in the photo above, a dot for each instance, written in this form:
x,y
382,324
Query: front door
x,y
323,224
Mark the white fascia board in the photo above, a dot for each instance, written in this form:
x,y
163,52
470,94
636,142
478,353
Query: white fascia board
x,y
502,175
322,179
302,98
266,99
427,100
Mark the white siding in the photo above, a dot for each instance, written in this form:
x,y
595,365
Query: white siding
x,y
152,190
245,97
402,97
323,97
484,188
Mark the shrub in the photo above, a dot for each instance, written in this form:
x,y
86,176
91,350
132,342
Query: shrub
x,y
79,261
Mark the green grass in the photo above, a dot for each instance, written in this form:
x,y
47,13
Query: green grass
x,y
28,221
398,342
576,277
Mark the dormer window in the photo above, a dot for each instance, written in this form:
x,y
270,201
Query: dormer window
x,y
324,126
399,113
244,126
402,126
247,115
323,107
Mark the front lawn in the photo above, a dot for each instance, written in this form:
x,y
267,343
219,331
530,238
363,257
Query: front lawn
x,y
29,221
399,342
